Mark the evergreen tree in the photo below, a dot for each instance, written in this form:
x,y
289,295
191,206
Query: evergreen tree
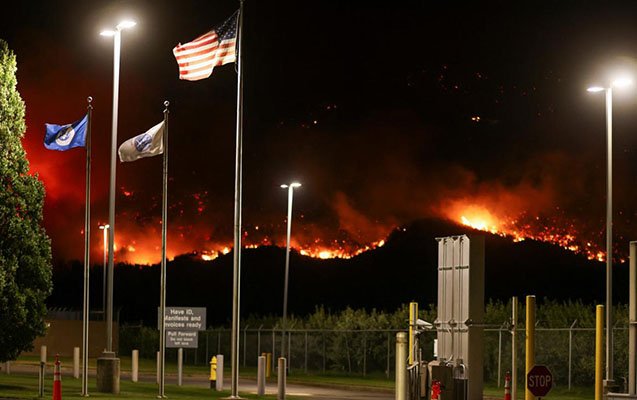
x,y
25,250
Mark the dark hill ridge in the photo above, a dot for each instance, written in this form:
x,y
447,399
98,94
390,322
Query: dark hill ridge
x,y
404,269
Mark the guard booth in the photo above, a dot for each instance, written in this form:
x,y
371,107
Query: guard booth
x,y
457,371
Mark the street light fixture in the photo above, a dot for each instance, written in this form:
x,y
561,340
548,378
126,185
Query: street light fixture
x,y
108,359
617,83
290,188
105,229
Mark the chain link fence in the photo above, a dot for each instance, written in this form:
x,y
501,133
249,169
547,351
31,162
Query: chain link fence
x,y
568,352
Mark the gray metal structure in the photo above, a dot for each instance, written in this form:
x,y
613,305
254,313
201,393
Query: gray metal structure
x,y
461,311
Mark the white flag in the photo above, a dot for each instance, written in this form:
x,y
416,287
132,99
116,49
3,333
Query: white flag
x,y
148,144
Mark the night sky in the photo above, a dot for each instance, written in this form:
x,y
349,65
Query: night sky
x,y
387,113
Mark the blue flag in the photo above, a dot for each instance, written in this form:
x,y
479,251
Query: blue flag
x,y
65,137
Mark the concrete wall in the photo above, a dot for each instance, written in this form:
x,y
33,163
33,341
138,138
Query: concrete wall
x,y
63,335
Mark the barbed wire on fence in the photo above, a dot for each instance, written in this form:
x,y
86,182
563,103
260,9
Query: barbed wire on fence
x,y
372,351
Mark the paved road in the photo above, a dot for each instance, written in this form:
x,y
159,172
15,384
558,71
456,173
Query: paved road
x,y
293,389
245,385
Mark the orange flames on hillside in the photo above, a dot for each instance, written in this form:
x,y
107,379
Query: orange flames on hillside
x,y
524,227
142,244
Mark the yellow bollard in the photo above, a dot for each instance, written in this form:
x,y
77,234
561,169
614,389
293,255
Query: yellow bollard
x,y
213,372
599,338
530,343
268,364
413,316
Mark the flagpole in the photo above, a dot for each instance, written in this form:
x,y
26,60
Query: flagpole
x,y
87,240
164,224
236,275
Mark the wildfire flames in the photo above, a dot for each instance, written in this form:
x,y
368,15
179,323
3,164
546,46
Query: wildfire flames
x,y
525,227
311,243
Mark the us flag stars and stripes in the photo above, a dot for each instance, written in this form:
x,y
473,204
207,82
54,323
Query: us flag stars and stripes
x,y
197,59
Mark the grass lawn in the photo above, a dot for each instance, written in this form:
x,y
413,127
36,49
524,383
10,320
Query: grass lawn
x,y
22,386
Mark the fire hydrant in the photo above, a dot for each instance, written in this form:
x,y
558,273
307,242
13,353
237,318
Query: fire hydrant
x,y
213,372
435,390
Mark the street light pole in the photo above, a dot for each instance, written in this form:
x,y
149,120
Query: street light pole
x,y
109,361
609,236
290,188
609,382
117,40
105,229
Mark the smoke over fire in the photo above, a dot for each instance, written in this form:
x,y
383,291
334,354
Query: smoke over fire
x,y
459,145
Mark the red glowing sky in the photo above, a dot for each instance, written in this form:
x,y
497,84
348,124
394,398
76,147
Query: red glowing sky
x,y
376,143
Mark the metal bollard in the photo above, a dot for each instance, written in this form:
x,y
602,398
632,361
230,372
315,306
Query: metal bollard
x,y
281,381
402,388
219,384
180,365
76,362
268,364
41,380
261,376
135,365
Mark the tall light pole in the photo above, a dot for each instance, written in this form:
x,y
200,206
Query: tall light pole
x,y
113,367
105,229
618,83
290,188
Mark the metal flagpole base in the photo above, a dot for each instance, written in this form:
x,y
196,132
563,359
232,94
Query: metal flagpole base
x,y
108,371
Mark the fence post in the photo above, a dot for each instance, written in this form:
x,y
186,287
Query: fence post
x,y
289,359
259,340
388,355
245,342
364,355
323,352
306,351
273,347
570,348
499,354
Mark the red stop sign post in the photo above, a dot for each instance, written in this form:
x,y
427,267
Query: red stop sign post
x,y
539,380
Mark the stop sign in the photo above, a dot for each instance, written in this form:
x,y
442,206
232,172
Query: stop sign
x,y
539,380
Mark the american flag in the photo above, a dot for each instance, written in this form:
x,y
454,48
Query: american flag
x,y
196,59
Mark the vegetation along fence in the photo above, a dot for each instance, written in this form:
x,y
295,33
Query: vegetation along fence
x,y
568,351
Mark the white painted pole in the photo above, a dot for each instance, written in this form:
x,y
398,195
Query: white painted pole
x,y
402,342
76,362
135,366
281,379
261,376
219,383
